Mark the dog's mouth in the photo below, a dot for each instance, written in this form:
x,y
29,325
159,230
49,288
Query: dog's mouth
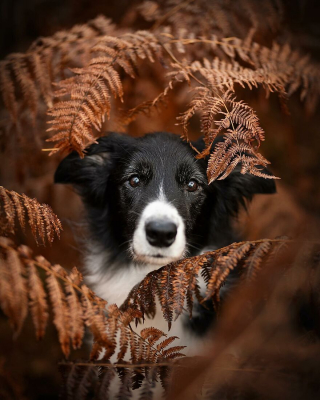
x,y
157,259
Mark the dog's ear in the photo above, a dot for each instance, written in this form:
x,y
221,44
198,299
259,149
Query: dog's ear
x,y
78,171
90,174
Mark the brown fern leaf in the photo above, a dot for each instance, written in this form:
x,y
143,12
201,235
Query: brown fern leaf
x,y
145,348
179,290
38,302
13,294
193,287
255,259
213,266
277,249
30,75
91,90
75,314
144,108
166,342
242,130
95,318
151,334
173,352
225,264
70,316
112,329
140,350
123,341
128,338
133,347
165,293
61,312
131,376
8,210
148,296
43,222
18,285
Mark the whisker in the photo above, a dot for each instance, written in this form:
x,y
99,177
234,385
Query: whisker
x,y
124,243
194,247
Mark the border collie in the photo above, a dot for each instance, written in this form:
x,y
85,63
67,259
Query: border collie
x,y
148,203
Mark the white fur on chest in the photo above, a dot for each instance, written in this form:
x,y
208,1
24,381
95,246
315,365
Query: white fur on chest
x,y
114,285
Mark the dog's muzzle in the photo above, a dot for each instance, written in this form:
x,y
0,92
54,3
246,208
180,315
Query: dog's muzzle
x,y
160,234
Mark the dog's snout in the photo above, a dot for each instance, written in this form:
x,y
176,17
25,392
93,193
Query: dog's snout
x,y
161,233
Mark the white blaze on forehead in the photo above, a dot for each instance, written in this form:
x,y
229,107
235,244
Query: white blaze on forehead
x,y
162,196
159,210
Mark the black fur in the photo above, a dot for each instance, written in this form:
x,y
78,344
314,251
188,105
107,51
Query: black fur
x,y
101,178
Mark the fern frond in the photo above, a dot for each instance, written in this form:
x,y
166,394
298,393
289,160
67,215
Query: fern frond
x,y
177,282
43,222
31,74
256,258
94,86
241,128
13,293
20,280
38,302
76,312
99,375
60,308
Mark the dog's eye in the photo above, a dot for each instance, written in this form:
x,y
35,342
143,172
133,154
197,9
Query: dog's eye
x,y
192,185
134,181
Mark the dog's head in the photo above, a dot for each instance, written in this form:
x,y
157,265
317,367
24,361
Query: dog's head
x,y
149,198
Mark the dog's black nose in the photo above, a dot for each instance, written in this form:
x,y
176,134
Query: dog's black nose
x,y
161,233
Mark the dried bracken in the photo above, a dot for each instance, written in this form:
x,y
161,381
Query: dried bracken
x,y
264,339
90,94
91,65
44,224
259,319
177,284
80,377
74,306
46,61
151,357
241,130
92,89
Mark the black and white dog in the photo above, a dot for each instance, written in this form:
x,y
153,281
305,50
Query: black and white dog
x,y
148,203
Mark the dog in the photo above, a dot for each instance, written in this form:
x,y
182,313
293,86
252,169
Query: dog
x,y
148,203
